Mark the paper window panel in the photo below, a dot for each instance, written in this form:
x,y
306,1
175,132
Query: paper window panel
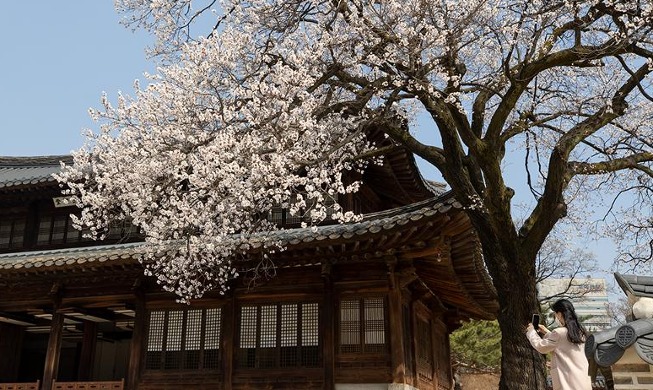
x,y
18,234
12,232
248,321
72,234
193,330
374,324
175,326
268,327
155,340
212,331
276,216
155,334
45,227
288,325
58,229
292,219
350,326
310,352
184,340
173,355
310,325
212,337
5,233
281,331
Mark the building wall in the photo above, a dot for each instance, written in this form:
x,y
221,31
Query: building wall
x,y
632,373
589,296
354,368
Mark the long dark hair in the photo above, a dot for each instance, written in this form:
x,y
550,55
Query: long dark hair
x,y
575,331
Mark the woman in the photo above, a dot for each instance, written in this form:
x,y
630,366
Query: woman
x,y
569,366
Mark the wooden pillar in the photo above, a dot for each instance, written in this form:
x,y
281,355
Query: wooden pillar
x,y
397,355
11,343
327,327
228,341
53,352
139,338
87,354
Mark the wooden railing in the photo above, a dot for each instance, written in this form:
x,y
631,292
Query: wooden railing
x,y
99,385
20,386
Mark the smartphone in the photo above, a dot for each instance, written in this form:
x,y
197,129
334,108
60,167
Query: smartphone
x,y
536,321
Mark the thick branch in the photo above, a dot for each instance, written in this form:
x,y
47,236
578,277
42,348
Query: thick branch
x,y
629,162
551,206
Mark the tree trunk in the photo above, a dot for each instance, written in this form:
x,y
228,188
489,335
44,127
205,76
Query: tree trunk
x,y
522,367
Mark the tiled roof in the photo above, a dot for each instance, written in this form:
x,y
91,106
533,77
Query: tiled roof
x,y
608,346
639,286
367,236
371,224
17,171
59,258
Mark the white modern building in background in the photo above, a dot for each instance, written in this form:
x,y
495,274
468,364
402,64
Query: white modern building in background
x,y
589,296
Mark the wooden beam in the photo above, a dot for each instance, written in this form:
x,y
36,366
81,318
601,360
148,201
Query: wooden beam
x,y
99,313
24,319
438,248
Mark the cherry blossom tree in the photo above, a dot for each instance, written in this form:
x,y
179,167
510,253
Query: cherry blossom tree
x,y
267,103
558,258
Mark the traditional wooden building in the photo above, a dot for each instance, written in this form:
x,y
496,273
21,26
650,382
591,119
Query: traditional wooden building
x,y
626,351
371,302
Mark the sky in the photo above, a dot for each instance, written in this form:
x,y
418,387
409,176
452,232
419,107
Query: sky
x,y
58,57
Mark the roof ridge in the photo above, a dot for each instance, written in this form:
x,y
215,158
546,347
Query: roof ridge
x,y
34,161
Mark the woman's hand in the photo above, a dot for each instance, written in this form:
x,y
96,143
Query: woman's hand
x,y
543,329
529,327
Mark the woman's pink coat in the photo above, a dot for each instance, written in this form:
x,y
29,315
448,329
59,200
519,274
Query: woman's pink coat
x,y
569,366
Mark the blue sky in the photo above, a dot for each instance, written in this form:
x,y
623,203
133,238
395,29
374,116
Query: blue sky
x,y
57,59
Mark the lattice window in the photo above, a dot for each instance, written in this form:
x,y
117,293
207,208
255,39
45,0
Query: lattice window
x,y
310,351
362,325
193,342
281,215
424,350
278,335
183,339
121,230
213,320
155,340
12,232
57,230
350,326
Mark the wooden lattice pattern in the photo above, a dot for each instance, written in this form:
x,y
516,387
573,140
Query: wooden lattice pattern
x,y
12,231
279,335
362,325
183,339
